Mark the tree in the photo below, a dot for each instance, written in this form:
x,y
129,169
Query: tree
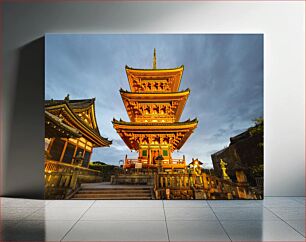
x,y
257,129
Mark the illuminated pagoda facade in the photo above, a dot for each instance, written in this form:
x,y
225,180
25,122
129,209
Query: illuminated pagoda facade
x,y
71,132
154,106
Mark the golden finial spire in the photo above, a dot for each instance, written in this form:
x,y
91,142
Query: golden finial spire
x,y
154,59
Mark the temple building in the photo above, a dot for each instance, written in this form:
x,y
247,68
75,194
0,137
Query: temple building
x,y
244,153
71,132
154,106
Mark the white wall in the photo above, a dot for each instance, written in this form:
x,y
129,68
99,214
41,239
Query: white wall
x,y
283,25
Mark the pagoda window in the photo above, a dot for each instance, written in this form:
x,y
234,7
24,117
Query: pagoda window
x,y
68,156
144,153
57,149
165,152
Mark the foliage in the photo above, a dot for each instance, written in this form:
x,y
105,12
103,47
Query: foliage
x,y
257,129
97,163
106,170
100,166
257,170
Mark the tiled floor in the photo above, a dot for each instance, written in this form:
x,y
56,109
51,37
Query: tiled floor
x,y
274,219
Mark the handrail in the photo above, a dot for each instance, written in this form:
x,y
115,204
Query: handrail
x,y
177,161
51,165
170,161
207,183
63,179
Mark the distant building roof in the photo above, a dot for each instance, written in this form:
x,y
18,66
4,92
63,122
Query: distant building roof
x,y
240,136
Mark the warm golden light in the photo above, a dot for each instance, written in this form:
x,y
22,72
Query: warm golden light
x,y
83,140
154,106
73,140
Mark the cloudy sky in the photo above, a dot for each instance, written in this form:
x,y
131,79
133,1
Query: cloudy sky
x,y
223,71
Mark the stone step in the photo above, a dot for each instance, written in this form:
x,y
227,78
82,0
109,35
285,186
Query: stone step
x,y
115,189
116,193
112,195
111,191
113,198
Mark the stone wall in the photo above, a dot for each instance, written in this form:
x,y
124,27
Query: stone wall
x,y
132,179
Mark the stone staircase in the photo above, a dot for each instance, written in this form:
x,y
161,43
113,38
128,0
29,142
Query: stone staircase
x,y
114,193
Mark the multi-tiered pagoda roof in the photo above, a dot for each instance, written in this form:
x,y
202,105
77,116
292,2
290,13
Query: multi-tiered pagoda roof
x,y
154,106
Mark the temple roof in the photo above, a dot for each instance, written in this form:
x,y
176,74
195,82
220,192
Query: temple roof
x,y
135,102
54,127
174,124
81,115
74,104
147,95
154,105
175,69
128,130
172,76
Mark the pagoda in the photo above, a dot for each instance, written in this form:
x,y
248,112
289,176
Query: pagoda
x,y
154,106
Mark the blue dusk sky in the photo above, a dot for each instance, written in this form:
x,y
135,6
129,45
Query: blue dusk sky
x,y
223,71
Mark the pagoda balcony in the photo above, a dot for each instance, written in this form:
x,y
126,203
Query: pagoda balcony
x,y
145,163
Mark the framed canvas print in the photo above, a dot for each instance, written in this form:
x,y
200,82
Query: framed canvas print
x,y
154,116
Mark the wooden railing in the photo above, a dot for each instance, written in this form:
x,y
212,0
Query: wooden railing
x,y
61,179
55,166
211,186
179,163
130,162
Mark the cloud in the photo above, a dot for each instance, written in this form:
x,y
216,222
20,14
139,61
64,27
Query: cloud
x,y
223,71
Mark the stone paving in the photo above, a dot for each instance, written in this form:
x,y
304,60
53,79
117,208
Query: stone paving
x,y
273,219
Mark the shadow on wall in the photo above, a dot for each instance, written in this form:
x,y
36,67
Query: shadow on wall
x,y
31,230
24,167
